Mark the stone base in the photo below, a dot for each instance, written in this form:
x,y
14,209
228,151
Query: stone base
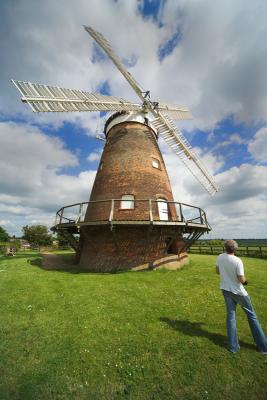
x,y
129,248
172,262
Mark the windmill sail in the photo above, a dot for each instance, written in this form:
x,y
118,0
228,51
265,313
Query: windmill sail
x,y
174,138
44,98
174,111
163,122
103,43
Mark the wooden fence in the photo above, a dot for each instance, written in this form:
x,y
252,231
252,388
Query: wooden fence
x,y
4,247
247,251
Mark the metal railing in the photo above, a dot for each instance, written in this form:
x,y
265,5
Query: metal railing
x,y
139,210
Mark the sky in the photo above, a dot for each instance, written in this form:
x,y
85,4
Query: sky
x,y
208,55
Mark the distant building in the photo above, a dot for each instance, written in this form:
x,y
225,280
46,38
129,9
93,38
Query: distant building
x,y
24,244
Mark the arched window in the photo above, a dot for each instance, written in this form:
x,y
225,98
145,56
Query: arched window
x,y
127,202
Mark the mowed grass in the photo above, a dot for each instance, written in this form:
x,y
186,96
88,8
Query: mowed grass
x,y
134,335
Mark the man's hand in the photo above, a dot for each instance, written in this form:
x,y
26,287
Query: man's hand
x,y
242,279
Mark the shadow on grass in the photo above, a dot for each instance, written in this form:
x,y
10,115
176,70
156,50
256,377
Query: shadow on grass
x,y
196,329
59,263
36,262
18,256
71,269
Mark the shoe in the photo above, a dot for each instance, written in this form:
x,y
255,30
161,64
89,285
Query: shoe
x,y
264,353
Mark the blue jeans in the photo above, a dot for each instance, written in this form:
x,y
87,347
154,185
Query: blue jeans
x,y
231,300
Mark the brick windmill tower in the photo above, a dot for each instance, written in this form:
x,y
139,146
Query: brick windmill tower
x,y
131,220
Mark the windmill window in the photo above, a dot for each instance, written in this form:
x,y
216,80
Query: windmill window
x,y
155,163
127,202
100,166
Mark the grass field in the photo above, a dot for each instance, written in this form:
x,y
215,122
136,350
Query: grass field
x,y
134,335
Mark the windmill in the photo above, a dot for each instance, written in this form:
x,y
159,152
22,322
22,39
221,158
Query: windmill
x,y
131,219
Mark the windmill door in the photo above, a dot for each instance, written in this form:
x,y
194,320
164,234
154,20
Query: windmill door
x,y
163,210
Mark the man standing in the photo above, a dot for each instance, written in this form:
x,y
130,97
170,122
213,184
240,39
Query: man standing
x,y
231,271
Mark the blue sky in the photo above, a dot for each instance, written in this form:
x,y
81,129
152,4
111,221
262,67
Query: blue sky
x,y
210,56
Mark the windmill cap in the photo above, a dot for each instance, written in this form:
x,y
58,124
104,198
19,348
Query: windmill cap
x,y
124,116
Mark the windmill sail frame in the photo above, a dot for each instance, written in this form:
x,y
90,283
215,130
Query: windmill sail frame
x,y
46,98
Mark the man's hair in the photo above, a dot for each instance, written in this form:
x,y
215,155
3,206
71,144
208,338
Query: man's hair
x,y
230,246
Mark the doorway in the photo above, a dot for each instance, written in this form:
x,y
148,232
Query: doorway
x,y
163,210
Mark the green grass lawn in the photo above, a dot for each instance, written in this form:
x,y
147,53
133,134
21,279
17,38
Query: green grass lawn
x,y
134,335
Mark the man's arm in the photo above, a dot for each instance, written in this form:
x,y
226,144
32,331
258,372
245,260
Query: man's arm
x,y
241,278
241,273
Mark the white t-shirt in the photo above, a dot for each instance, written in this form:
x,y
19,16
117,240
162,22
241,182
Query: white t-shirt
x,y
230,266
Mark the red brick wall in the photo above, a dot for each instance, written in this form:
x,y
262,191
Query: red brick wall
x,y
125,247
126,168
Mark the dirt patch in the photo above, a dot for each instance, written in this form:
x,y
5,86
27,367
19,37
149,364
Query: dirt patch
x,y
54,261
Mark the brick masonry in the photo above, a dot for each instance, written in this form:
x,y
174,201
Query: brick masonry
x,y
125,248
126,169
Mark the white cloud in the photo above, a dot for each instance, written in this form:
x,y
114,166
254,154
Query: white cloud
x,y
258,146
233,139
217,69
32,184
23,153
95,155
221,58
6,222
238,210
27,139
185,186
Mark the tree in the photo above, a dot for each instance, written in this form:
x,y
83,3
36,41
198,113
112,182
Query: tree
x,y
62,241
4,236
216,242
37,235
